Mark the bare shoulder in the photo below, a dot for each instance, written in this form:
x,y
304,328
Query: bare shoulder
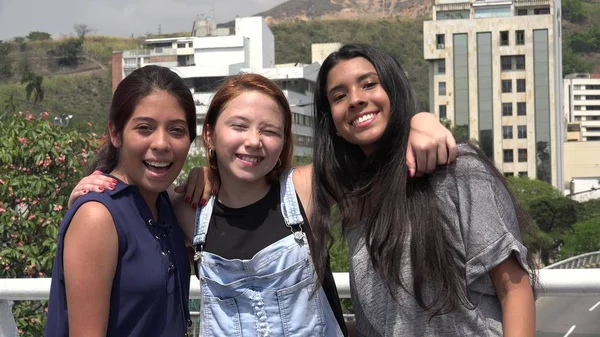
x,y
92,218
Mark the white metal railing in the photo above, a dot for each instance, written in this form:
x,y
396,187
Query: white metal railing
x,y
553,282
587,260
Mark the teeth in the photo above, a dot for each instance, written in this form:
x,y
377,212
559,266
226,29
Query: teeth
x,y
363,118
158,163
250,159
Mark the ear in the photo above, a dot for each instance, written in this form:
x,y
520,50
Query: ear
x,y
113,135
208,135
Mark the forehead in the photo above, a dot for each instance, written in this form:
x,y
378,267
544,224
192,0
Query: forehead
x,y
253,105
349,71
159,105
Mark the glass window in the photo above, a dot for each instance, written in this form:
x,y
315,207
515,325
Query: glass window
x,y
522,131
504,38
521,108
522,155
521,85
520,37
442,111
507,132
440,40
506,62
520,60
506,86
442,88
442,66
508,156
507,109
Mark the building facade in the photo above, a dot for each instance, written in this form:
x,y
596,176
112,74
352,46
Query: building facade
x,y
582,107
207,57
496,73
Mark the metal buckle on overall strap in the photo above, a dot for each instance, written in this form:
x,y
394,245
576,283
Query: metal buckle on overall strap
x,y
198,253
298,234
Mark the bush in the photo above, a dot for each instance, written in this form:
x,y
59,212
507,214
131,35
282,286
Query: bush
x,y
39,165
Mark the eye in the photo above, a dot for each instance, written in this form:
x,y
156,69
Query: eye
x,y
337,98
239,127
179,130
370,85
144,128
272,133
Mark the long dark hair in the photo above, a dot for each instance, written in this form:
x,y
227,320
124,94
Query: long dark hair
x,y
395,207
133,88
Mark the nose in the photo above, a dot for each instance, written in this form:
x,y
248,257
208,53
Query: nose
x,y
253,138
160,141
357,99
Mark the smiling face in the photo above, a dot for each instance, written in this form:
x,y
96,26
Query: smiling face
x,y
153,144
360,107
248,137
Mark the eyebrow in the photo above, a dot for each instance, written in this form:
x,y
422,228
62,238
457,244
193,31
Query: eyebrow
x,y
248,121
149,120
360,78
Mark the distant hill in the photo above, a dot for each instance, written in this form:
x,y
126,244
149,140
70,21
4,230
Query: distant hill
x,y
346,9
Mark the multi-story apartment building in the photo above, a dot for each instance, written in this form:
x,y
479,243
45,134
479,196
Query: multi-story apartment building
x,y
204,59
582,106
495,72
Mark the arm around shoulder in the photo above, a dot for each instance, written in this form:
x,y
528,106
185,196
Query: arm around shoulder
x,y
90,255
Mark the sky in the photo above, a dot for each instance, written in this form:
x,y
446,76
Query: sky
x,y
118,17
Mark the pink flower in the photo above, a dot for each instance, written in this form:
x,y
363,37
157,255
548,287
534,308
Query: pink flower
x,y
42,274
33,265
34,202
2,209
89,124
7,268
44,115
31,217
2,182
22,140
18,201
29,117
57,208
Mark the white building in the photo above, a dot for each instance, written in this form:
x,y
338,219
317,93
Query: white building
x,y
582,106
496,73
203,61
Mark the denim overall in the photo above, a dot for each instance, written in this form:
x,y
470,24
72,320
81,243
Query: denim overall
x,y
271,294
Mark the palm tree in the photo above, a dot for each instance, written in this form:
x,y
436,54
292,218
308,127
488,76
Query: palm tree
x,y
34,87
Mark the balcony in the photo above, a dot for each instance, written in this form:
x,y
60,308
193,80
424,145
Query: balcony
x,y
448,7
524,3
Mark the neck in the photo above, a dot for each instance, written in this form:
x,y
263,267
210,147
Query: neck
x,y
149,196
235,193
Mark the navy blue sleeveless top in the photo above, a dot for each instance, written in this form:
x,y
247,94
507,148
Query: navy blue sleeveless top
x,y
150,289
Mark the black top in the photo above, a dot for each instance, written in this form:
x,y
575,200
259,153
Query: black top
x,y
240,233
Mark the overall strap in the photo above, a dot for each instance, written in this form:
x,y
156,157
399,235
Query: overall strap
x,y
289,204
203,215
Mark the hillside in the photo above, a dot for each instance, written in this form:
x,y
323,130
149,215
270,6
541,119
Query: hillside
x,y
346,9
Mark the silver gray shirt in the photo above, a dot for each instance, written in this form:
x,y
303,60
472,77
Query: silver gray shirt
x,y
483,225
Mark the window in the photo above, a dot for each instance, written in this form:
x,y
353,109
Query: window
x,y
523,174
506,86
522,131
508,156
577,97
440,40
520,37
577,87
507,132
190,44
506,62
442,111
181,45
540,11
441,66
577,107
521,12
521,85
522,155
442,88
504,38
507,109
509,174
520,60
521,108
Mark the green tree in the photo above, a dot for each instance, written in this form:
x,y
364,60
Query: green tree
x,y
34,88
573,11
39,164
584,238
39,36
5,61
67,53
